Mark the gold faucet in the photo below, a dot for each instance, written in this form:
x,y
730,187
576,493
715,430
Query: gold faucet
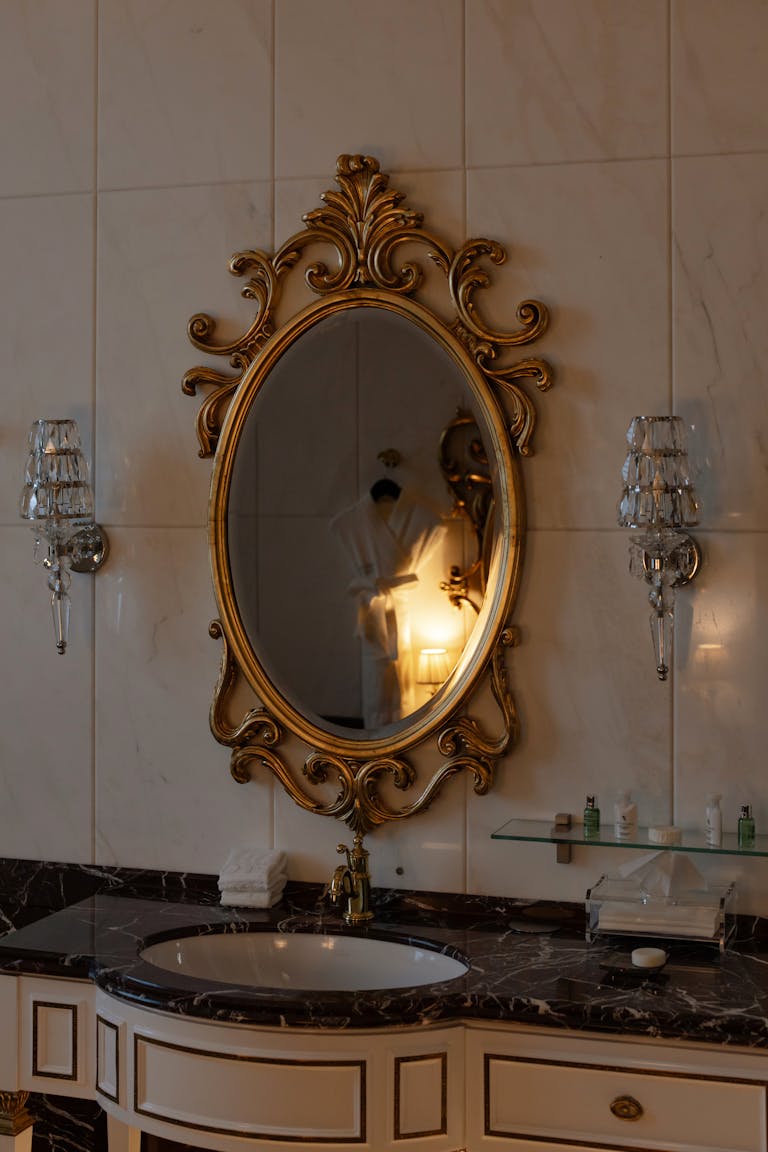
x,y
352,881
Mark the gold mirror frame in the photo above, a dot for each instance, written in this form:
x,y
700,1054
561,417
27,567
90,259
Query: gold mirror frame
x,y
365,225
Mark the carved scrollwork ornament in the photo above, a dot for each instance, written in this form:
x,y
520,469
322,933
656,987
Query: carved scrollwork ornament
x,y
14,1117
350,254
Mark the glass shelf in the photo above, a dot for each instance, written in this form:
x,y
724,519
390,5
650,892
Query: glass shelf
x,y
544,832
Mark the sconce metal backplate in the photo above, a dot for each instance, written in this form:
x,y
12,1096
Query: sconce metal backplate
x,y
364,226
687,561
88,548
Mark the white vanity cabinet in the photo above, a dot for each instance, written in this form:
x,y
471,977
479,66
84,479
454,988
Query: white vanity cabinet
x,y
231,1087
527,1088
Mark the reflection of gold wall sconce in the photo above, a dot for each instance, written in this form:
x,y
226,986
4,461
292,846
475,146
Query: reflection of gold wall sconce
x,y
433,668
58,501
464,464
658,497
457,587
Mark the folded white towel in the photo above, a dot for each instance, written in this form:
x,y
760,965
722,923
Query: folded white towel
x,y
253,886
253,899
252,865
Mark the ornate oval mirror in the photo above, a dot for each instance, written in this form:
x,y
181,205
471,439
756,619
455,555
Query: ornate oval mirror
x,y
338,511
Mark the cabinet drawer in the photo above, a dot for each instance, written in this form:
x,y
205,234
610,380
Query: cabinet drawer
x,y
594,1105
232,1094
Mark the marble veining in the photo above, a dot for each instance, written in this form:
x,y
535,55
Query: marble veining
x,y
63,1124
528,963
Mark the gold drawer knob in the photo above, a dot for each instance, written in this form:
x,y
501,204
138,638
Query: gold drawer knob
x,y
627,1108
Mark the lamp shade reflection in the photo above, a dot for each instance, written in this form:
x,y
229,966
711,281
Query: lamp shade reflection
x,y
433,667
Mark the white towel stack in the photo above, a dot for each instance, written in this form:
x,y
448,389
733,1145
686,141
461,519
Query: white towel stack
x,y
252,878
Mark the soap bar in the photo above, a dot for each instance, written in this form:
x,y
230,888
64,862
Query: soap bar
x,y
664,834
649,957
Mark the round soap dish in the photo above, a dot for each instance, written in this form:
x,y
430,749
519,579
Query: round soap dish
x,y
619,970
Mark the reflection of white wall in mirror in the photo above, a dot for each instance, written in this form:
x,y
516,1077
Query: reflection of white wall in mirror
x,y
404,403
295,468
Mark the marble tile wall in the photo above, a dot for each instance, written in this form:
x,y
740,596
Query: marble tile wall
x,y
620,152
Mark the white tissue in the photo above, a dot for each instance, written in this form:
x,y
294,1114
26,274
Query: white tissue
x,y
665,875
669,919
253,870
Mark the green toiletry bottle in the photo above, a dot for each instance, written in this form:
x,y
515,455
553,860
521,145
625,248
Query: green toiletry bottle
x,y
746,827
591,819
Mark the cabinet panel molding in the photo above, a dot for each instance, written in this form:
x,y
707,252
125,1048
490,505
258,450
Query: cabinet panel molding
x,y
108,1058
54,1040
56,1048
421,1095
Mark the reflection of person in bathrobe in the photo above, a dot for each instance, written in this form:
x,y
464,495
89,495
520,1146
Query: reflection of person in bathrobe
x,y
387,541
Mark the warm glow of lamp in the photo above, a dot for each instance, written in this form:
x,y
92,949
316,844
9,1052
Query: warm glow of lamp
x,y
57,499
433,668
658,497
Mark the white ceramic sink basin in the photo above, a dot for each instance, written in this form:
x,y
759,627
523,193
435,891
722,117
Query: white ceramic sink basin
x,y
303,961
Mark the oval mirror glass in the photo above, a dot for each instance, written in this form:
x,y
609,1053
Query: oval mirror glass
x,y
341,526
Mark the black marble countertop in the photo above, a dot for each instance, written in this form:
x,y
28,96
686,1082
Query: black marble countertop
x,y
528,963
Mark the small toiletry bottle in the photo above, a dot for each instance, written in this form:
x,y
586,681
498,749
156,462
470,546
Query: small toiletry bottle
x,y
746,827
624,816
713,831
591,818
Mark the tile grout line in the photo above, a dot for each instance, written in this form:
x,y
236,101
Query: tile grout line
x,y
542,529
584,161
273,122
603,161
671,395
94,392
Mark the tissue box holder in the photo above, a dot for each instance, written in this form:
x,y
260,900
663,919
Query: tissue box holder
x,y
615,907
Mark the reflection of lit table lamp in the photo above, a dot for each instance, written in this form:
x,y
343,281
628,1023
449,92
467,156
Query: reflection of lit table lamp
x,y
433,668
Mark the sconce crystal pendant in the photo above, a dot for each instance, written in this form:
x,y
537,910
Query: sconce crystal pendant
x,y
57,499
658,497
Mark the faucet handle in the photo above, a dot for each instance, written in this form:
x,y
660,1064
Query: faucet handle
x,y
342,848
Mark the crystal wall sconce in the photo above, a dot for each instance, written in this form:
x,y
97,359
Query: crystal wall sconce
x,y
658,497
57,500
